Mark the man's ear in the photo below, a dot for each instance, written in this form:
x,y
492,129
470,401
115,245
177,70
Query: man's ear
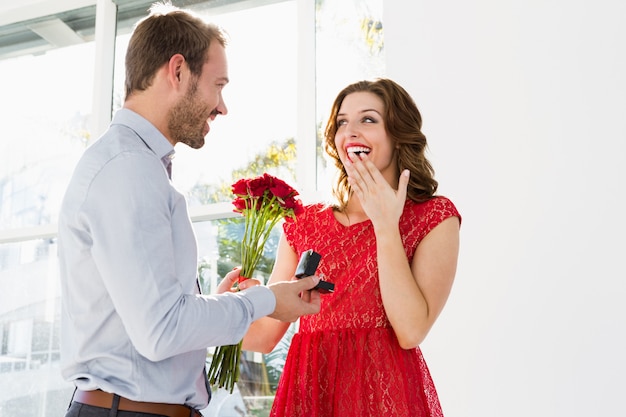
x,y
175,68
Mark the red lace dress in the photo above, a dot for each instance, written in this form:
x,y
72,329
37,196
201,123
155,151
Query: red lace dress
x,y
346,360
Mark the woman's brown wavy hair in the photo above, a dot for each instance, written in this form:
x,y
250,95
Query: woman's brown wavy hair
x,y
403,123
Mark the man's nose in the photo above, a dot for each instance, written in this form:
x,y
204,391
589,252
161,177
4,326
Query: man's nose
x,y
221,108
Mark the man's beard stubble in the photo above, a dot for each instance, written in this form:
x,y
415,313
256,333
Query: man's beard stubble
x,y
187,119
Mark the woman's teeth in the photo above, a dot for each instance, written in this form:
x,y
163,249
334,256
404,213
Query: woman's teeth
x,y
358,149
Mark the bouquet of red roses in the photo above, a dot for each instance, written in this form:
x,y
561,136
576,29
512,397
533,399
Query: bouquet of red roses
x,y
263,201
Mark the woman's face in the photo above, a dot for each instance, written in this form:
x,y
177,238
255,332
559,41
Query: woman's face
x,y
361,128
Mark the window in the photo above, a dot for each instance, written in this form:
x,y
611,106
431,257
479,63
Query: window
x,y
349,48
45,112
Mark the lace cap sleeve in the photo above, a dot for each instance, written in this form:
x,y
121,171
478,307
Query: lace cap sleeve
x,y
420,219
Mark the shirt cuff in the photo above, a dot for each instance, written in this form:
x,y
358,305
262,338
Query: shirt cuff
x,y
262,299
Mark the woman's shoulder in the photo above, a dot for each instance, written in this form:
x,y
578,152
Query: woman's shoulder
x,y
314,210
310,213
437,207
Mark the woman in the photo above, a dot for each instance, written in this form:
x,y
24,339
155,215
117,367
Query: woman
x,y
390,246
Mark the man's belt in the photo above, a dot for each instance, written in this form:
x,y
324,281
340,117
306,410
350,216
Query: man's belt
x,y
103,399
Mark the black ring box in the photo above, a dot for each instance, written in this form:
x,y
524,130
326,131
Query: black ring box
x,y
309,260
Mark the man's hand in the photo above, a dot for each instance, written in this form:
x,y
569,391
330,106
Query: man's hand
x,y
295,298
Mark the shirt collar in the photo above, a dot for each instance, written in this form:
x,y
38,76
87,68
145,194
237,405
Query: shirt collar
x,y
148,133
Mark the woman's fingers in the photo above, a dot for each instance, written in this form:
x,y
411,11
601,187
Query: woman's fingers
x,y
232,283
380,200
248,283
229,280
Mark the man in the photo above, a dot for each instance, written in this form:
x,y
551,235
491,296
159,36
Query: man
x,y
135,328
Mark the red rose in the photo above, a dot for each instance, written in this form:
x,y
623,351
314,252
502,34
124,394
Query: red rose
x,y
240,204
293,204
281,189
240,188
257,186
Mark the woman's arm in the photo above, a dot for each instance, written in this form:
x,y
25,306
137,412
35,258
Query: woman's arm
x,y
413,296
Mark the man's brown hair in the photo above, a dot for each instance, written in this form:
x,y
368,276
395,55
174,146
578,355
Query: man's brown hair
x,y
165,32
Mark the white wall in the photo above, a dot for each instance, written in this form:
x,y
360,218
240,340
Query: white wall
x,y
524,105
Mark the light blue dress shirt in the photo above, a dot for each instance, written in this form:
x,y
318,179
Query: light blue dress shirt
x,y
133,322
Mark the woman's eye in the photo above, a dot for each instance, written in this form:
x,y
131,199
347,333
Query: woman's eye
x,y
341,122
369,120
